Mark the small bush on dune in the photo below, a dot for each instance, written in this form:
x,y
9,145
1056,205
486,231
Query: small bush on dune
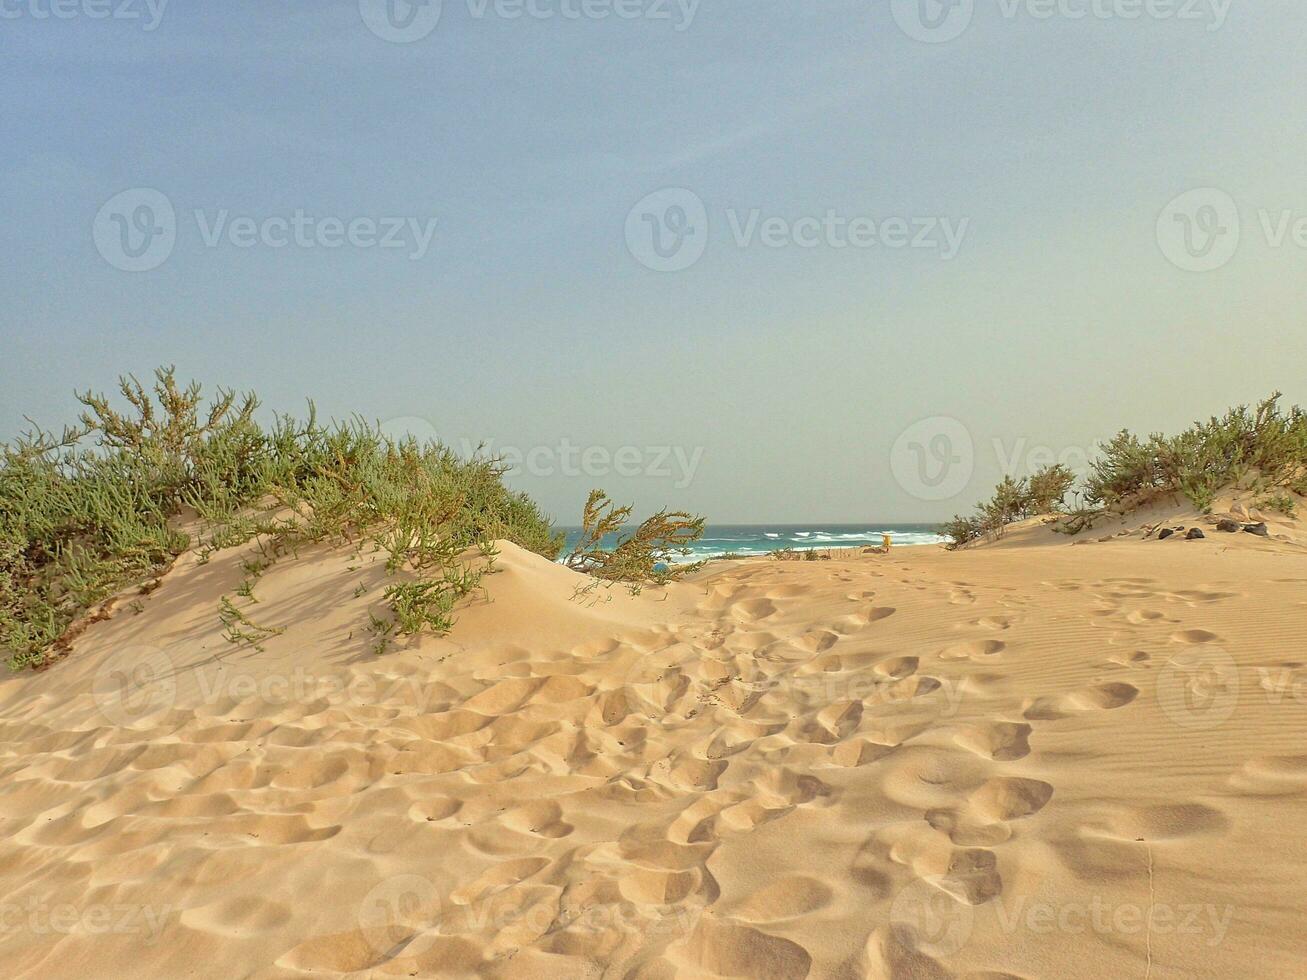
x,y
1280,503
91,511
646,555
1266,443
1262,448
1013,500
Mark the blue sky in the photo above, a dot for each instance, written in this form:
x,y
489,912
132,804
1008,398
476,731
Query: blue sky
x,y
781,376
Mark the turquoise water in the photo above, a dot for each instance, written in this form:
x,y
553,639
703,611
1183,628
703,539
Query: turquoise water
x,y
760,539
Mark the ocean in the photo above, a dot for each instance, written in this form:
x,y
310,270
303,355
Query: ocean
x,y
761,539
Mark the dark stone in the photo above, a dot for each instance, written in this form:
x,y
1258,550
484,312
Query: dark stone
x,y
1228,525
1195,534
1166,532
1260,530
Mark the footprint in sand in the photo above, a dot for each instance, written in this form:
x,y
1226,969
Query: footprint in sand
x,y
1010,798
1194,637
1169,821
1195,597
982,820
1104,697
973,650
543,818
859,752
973,876
786,898
1002,741
749,610
721,947
897,668
651,886
1272,775
856,622
818,640
1134,658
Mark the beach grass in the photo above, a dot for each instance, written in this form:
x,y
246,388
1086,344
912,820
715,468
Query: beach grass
x,y
96,508
1262,448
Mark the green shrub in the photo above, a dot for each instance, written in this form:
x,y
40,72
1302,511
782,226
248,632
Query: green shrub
x,y
1265,447
91,511
1280,503
1203,460
1013,500
645,556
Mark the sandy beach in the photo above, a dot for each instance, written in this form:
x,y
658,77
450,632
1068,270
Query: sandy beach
x,y
1045,757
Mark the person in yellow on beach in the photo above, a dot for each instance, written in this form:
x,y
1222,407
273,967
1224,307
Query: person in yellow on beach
x,y
886,541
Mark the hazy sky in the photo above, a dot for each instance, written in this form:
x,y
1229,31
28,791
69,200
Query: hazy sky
x,y
761,339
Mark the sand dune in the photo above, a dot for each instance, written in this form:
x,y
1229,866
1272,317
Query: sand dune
x,y
1031,760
